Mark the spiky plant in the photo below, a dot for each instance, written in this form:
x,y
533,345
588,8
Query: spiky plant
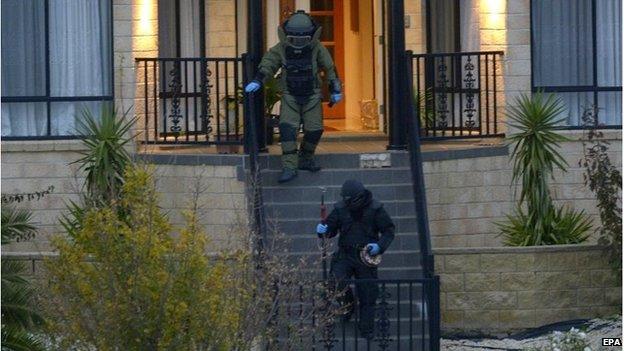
x,y
106,157
20,316
535,157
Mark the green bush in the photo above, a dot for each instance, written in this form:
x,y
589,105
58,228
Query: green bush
x,y
536,220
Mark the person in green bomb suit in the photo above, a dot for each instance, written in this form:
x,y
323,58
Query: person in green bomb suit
x,y
301,57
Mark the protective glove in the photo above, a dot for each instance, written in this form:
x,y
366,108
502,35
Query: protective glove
x,y
321,229
252,86
373,249
335,98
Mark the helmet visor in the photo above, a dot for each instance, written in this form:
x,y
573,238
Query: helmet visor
x,y
299,41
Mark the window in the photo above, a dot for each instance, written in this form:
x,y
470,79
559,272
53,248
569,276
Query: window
x,y
56,62
577,53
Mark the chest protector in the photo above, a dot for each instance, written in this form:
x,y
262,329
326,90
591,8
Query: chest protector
x,y
355,233
299,75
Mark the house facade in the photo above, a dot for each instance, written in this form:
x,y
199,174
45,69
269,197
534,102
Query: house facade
x,y
178,64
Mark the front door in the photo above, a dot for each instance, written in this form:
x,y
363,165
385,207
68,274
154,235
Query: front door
x,y
329,15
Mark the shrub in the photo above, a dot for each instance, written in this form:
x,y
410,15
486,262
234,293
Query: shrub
x,y
605,180
535,220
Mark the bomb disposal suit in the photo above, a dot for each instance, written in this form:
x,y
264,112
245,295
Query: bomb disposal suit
x,y
301,56
362,223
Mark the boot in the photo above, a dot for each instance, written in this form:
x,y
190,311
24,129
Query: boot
x,y
287,175
307,163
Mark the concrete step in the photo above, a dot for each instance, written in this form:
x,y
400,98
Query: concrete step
x,y
337,176
336,160
404,224
385,191
297,210
310,242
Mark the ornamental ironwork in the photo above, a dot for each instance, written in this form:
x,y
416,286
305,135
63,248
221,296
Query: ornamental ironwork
x,y
469,82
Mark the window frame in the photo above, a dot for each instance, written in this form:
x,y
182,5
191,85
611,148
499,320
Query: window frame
x,y
594,88
50,99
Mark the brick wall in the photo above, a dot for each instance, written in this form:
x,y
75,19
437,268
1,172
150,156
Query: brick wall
x,y
30,167
504,290
465,197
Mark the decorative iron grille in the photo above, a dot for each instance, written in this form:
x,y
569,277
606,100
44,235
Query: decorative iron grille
x,y
191,100
456,94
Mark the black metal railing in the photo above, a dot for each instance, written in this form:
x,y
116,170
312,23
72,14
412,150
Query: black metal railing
x,y
457,94
190,100
407,317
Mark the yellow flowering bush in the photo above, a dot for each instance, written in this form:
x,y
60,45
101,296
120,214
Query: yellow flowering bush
x,y
123,282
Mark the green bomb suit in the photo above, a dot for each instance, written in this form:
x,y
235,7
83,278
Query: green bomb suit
x,y
295,107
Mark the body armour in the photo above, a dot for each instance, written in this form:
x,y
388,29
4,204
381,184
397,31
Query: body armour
x,y
300,76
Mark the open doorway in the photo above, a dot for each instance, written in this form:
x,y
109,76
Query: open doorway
x,y
349,33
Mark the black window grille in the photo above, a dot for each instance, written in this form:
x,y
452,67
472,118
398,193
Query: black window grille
x,y
576,50
43,53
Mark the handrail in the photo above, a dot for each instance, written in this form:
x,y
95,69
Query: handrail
x,y
251,147
420,201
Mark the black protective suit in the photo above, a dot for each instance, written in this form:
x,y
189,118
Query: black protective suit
x,y
367,223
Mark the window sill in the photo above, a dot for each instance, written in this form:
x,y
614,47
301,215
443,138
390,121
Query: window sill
x,y
42,145
581,134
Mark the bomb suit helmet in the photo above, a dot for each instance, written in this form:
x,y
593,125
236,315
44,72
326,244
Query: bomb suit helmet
x,y
299,30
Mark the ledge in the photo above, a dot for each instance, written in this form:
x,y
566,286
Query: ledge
x,y
517,249
41,145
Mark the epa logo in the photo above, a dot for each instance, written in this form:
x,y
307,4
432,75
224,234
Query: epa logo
x,y
611,342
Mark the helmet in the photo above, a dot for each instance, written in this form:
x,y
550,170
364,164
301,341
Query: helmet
x,y
354,194
300,29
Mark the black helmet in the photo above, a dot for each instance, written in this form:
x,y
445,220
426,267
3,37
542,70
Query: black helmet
x,y
355,195
300,29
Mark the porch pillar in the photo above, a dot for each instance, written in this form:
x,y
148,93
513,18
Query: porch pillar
x,y
397,78
255,50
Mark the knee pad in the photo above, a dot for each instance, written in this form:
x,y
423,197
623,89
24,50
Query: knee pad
x,y
288,132
313,136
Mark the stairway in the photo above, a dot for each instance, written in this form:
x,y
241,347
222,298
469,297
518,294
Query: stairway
x,y
294,207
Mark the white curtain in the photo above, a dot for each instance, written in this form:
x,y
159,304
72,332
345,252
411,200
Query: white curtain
x,y
23,67
79,62
609,47
563,53
79,58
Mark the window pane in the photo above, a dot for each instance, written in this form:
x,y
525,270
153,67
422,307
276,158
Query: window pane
x,y
574,104
610,108
23,48
21,119
321,5
63,115
443,14
562,50
80,57
327,22
609,42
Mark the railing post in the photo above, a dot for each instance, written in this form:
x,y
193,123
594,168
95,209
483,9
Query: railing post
x,y
255,49
396,55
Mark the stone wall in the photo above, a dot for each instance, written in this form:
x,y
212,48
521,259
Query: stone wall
x,y
466,197
34,166
504,290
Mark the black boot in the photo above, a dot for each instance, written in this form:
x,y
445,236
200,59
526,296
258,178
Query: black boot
x,y
306,162
287,175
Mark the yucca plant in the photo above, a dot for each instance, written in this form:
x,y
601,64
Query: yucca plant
x,y
106,157
20,316
535,155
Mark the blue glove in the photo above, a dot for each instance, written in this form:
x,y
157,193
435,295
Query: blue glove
x,y
252,86
335,98
321,229
373,249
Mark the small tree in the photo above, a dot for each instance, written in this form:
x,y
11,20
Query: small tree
x,y
605,180
536,220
